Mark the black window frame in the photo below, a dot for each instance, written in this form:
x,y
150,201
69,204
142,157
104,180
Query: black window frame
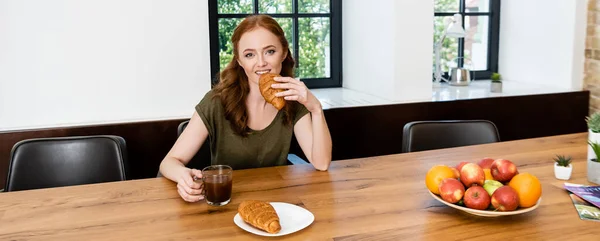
x,y
493,33
335,16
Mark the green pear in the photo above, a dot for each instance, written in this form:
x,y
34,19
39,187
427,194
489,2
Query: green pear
x,y
490,186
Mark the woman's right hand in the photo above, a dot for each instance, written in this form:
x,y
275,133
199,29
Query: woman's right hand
x,y
187,188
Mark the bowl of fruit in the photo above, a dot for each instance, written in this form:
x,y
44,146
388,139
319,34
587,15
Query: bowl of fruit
x,y
489,188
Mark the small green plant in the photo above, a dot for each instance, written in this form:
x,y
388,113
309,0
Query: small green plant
x,y
496,77
562,160
596,148
593,122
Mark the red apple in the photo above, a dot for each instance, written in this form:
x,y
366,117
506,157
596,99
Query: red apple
x,y
460,165
452,190
486,163
477,198
505,198
503,170
472,174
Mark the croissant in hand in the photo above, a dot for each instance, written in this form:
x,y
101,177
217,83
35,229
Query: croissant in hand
x,y
264,83
260,215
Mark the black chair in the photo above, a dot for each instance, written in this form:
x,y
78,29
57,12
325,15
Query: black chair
x,y
66,161
429,135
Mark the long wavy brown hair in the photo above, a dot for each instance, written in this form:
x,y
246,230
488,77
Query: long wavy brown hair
x,y
233,87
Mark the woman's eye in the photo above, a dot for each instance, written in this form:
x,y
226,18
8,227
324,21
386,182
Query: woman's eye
x,y
271,51
248,55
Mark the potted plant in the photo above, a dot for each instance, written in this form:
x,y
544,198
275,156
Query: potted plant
x,y
496,83
593,124
593,165
562,167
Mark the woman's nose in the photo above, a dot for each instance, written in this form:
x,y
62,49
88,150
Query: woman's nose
x,y
261,61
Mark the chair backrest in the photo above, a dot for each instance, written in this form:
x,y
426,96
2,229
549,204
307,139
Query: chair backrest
x,y
429,135
182,127
66,161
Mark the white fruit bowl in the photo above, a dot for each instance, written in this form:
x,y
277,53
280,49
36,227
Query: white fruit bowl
x,y
487,213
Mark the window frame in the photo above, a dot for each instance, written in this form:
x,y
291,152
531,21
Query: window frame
x,y
335,19
493,33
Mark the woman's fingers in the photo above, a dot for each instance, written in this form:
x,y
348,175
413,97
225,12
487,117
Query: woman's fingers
x,y
189,198
284,86
189,180
197,173
292,97
287,92
189,190
288,80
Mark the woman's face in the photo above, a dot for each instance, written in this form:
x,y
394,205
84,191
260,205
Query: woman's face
x,y
260,52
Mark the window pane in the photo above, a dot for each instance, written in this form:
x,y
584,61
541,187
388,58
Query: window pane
x,y
226,27
476,42
446,5
315,54
288,29
477,6
275,6
313,6
449,50
235,6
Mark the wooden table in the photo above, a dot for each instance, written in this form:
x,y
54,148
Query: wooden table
x,y
376,198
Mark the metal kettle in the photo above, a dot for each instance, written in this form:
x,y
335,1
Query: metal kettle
x,y
460,76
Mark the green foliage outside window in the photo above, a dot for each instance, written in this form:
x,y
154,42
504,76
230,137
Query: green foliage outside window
x,y
449,49
314,32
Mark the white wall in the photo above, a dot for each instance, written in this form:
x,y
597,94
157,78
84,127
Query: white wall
x,y
542,42
73,62
387,48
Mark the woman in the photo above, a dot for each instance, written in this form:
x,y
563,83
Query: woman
x,y
243,129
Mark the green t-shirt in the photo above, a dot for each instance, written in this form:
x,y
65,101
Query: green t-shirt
x,y
264,148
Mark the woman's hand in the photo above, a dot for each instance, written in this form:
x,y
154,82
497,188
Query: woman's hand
x,y
297,90
187,188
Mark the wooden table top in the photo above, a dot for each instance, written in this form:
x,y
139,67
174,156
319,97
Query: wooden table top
x,y
376,198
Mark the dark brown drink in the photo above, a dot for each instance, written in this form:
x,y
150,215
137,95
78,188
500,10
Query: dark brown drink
x,y
217,189
217,181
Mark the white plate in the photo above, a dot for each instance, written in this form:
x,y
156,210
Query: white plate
x,y
292,218
487,213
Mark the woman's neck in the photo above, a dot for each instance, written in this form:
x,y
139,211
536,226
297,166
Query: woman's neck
x,y
255,99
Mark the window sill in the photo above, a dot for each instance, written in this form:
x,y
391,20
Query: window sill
x,y
341,97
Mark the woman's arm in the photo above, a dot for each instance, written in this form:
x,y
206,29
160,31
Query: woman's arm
x,y
311,130
173,165
313,136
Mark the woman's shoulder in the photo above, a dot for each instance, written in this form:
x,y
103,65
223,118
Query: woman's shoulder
x,y
210,97
209,103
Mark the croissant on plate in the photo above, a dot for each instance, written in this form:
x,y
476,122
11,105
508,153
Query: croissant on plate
x,y
264,82
260,215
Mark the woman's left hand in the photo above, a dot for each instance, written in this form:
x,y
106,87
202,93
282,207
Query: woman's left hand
x,y
297,90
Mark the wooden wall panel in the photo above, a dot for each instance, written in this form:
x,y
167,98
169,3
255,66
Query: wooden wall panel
x,y
356,131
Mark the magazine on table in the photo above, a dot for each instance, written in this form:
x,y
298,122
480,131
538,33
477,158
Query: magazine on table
x,y
589,193
586,200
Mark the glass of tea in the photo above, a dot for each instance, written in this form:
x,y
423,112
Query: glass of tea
x,y
217,181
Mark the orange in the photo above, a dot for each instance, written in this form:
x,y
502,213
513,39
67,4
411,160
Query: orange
x,y
528,188
456,172
435,175
488,174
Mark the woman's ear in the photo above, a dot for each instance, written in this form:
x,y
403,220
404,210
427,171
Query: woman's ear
x,y
285,55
